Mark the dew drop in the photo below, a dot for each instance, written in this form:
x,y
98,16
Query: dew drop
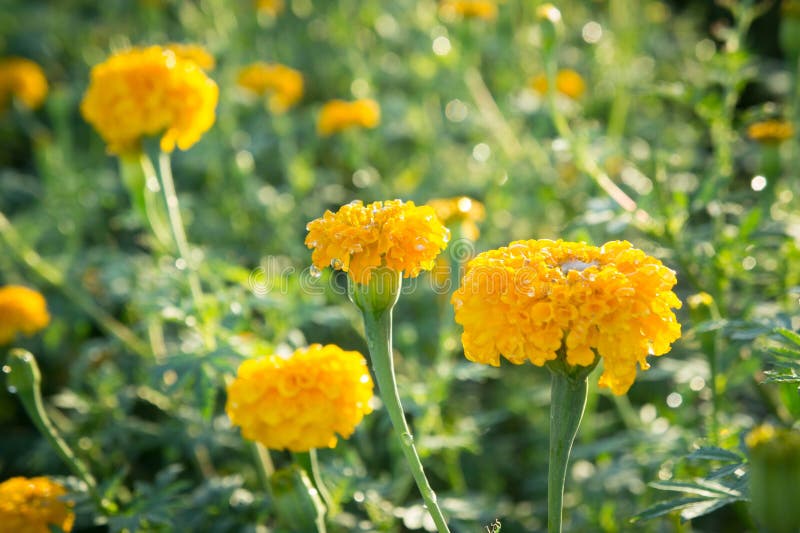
x,y
314,271
337,264
12,389
408,439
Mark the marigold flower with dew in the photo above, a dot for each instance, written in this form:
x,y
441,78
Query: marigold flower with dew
x,y
147,91
539,300
22,310
303,401
359,238
33,505
284,84
22,79
339,115
568,82
482,9
193,52
770,131
271,7
463,211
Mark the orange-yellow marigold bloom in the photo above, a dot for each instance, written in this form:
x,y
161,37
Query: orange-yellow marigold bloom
x,y
147,91
463,211
284,84
359,238
770,131
23,79
193,52
22,310
482,9
32,505
539,299
303,401
339,115
568,83
271,7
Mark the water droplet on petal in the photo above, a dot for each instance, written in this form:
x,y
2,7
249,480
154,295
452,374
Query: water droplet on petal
x,y
337,264
314,271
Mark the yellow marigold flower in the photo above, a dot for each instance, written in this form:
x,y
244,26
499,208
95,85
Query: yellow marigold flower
x,y
482,9
271,7
284,84
770,131
22,310
193,52
538,300
548,12
359,238
303,401
338,115
700,299
146,91
32,505
464,211
568,83
23,79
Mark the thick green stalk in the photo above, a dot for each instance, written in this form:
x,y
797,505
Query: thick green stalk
x,y
567,402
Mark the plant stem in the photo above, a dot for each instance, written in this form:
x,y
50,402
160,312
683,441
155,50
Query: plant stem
x,y
567,402
264,465
316,475
378,326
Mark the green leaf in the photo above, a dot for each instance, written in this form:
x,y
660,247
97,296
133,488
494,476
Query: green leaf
x,y
789,334
666,507
713,453
703,508
700,487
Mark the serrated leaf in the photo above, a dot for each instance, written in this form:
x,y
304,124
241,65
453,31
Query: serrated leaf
x,y
703,508
724,471
714,453
781,379
788,334
700,487
666,507
785,352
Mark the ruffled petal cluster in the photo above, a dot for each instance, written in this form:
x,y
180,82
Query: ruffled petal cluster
x,y
770,131
339,115
568,82
24,80
537,300
32,505
482,9
193,52
149,91
22,310
282,83
303,401
359,238
463,211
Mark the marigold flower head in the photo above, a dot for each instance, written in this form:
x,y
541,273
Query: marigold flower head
x,y
568,82
284,84
32,505
22,79
271,7
462,210
482,9
193,52
359,238
303,401
147,91
537,300
339,115
22,310
770,131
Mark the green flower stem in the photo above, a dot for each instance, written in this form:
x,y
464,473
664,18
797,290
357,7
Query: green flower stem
x,y
144,195
54,276
376,304
567,402
264,465
316,475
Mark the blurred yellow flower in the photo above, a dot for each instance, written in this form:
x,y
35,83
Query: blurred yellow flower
x,y
193,52
303,401
338,115
770,131
22,310
284,84
147,91
482,9
548,12
700,299
540,300
23,79
271,7
359,238
568,83
464,211
33,505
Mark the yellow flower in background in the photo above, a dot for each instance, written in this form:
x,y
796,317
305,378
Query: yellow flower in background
x,y
699,300
301,402
22,310
359,238
22,79
482,9
32,505
149,91
463,211
271,7
538,300
568,82
284,84
770,131
339,115
193,52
